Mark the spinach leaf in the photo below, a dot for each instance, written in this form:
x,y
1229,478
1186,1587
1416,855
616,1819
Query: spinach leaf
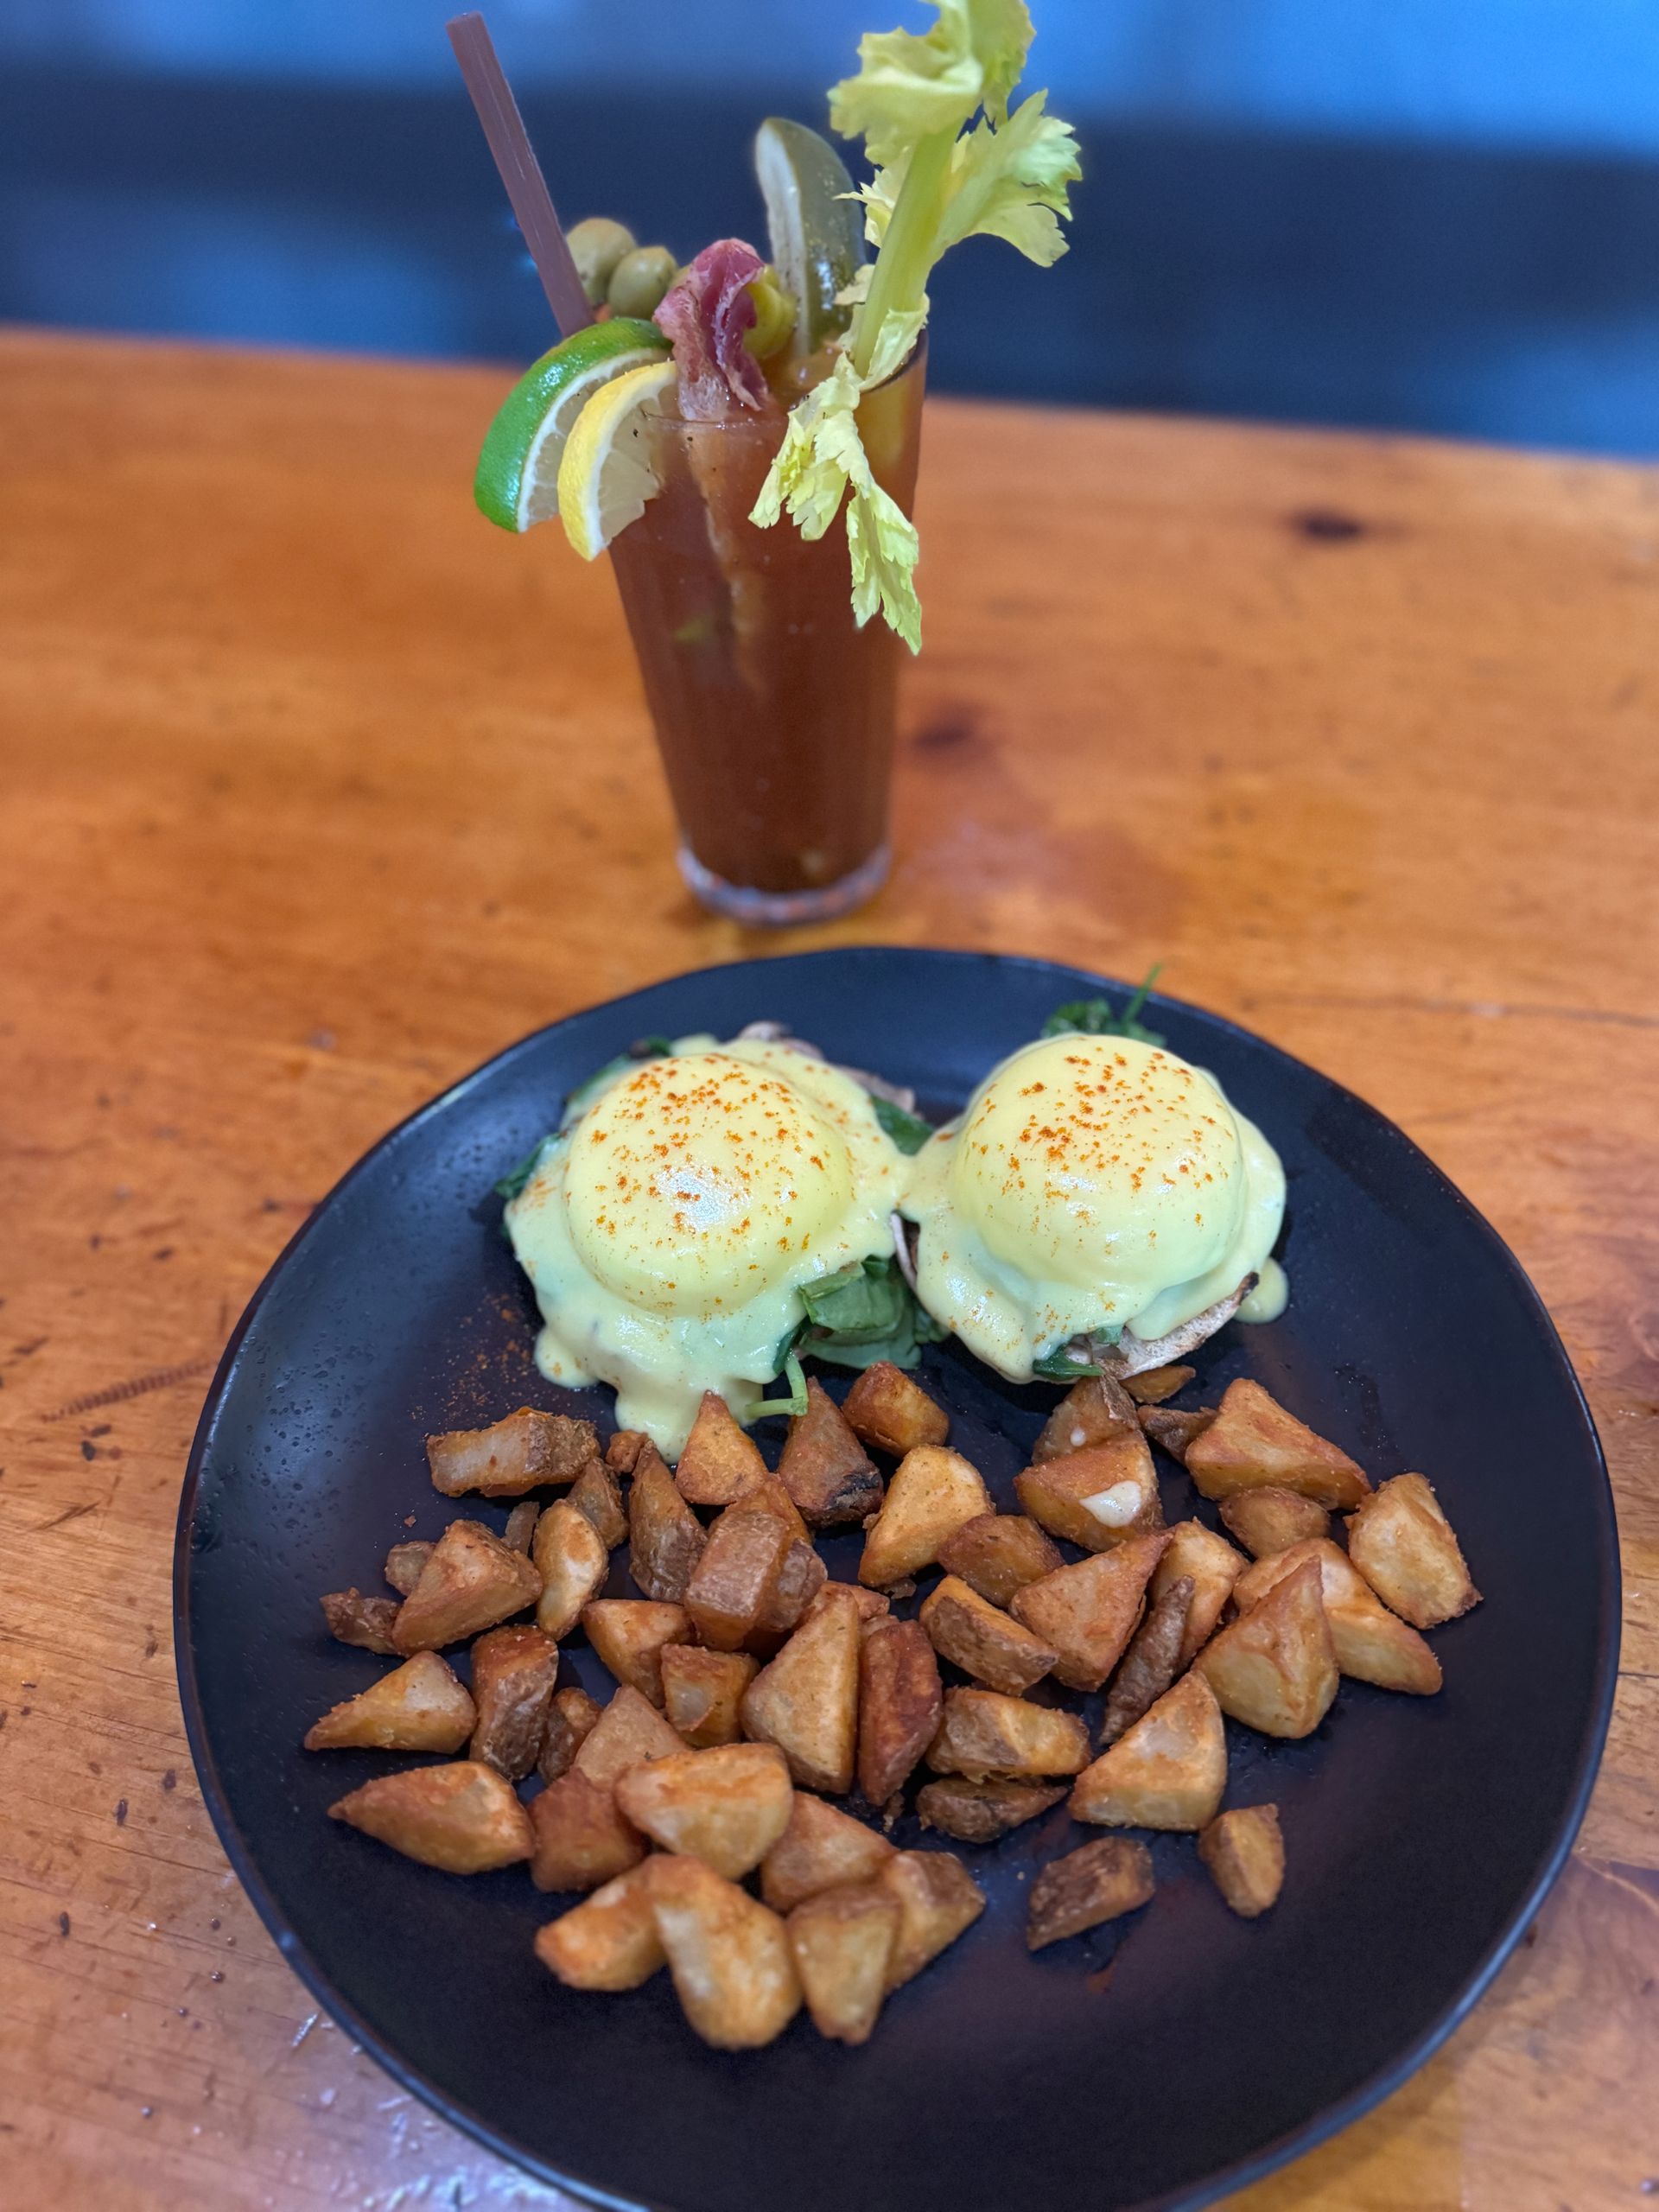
x,y
908,1131
516,1177
1096,1018
794,1404
1077,1357
865,1313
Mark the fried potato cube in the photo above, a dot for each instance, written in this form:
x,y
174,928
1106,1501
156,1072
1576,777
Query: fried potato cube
x,y
735,1580
520,1530
727,1806
365,1622
1213,1566
1086,1613
597,1496
622,1451
1100,1882
821,1849
873,1604
805,1700
1154,1384
719,1462
571,1556
1372,1644
1097,1497
889,1412
572,1716
460,1817
730,1957
582,1839
997,1553
936,1897
983,1733
702,1692
932,1492
1271,1520
1245,1852
513,1673
825,1467
901,1703
1173,1431
525,1452
1253,1441
980,1812
1402,1543
1092,1412
1152,1662
628,1732
607,1941
471,1582
405,1564
666,1538
771,1497
1275,1669
419,1706
629,1633
843,1943
982,1640
1167,1772
800,1580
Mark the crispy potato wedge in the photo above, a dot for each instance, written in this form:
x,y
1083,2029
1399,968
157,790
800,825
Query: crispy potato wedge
x,y
461,1817
1275,1668
982,1640
607,1941
1097,1497
1173,1431
471,1581
1245,1854
825,1467
873,1604
702,1692
983,1733
1092,1412
1214,1567
800,1580
997,1553
890,1412
582,1839
629,1731
1271,1520
571,1556
1100,1882
933,1491
365,1622
1154,1384
730,1958
572,1716
623,1449
1372,1644
1254,1441
1169,1771
771,1497
520,1531
900,1704
805,1700
719,1462
727,1806
1152,1662
821,1848
597,1496
753,1582
666,1538
629,1633
526,1451
405,1564
936,1897
842,1942
979,1812
1086,1613
513,1673
419,1706
1402,1543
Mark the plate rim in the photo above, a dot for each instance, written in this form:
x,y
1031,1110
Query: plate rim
x,y
1253,2165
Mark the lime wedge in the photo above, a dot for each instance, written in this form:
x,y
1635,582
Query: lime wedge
x,y
518,477
605,476
818,231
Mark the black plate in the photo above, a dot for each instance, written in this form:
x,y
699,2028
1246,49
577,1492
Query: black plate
x,y
1421,1834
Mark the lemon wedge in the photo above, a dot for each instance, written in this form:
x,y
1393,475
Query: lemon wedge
x,y
605,474
516,484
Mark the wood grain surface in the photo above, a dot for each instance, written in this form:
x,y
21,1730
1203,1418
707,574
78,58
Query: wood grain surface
x,y
314,791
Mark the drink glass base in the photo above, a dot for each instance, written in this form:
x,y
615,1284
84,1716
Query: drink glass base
x,y
784,909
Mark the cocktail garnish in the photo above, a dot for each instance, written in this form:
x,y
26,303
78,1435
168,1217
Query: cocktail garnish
x,y
706,315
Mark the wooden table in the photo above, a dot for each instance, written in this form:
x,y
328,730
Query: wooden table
x,y
316,790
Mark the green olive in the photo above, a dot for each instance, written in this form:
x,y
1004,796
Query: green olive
x,y
596,245
774,315
640,278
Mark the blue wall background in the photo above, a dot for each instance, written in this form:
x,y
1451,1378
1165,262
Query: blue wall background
x,y
1437,214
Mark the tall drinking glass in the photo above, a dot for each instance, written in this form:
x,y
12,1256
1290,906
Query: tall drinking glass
x,y
773,711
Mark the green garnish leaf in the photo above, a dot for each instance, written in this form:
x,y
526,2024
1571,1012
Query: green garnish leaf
x,y
908,1131
794,1405
1098,1017
516,1177
1078,1357
864,1313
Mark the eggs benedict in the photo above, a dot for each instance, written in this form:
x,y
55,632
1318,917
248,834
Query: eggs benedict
x,y
1098,1187
671,1226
